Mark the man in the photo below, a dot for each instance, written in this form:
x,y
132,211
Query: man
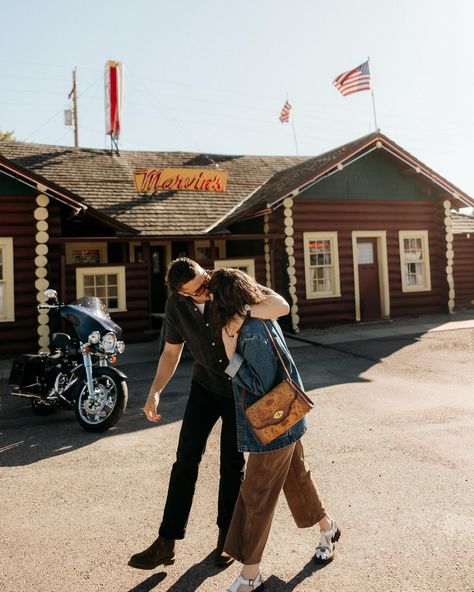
x,y
188,320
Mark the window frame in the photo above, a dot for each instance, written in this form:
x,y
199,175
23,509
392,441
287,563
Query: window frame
x,y
206,244
415,234
249,263
333,238
86,246
106,269
8,315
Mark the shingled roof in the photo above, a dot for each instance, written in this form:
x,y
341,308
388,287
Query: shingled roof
x,y
462,224
290,182
104,181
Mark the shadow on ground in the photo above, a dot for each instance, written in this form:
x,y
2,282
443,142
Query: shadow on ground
x,y
26,438
192,579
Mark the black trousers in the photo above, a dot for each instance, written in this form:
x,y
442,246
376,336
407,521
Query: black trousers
x,y
203,410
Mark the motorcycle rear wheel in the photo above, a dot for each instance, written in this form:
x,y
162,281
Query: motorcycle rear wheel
x,y
105,408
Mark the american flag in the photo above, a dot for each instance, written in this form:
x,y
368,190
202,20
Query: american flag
x,y
354,80
285,112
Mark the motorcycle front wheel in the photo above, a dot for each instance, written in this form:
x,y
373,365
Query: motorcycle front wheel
x,y
103,410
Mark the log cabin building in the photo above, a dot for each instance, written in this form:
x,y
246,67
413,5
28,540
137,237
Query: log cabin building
x,y
463,247
362,232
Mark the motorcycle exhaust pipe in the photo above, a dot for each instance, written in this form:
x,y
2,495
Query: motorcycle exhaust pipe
x,y
26,395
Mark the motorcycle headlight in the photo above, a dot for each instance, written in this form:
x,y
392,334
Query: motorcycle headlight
x,y
94,337
109,342
120,347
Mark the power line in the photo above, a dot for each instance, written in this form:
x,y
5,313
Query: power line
x,y
58,113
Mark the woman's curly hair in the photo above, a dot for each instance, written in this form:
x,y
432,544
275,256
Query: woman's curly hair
x,y
232,289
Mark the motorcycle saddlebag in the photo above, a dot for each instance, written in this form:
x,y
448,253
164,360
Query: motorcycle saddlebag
x,y
26,369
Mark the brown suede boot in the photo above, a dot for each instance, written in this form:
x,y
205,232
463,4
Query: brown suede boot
x,y
160,552
221,559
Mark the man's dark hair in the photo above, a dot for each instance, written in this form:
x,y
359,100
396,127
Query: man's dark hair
x,y
180,272
232,289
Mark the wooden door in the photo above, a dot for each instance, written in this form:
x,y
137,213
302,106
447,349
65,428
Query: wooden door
x,y
369,284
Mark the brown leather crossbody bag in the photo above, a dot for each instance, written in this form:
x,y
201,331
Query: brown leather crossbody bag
x,y
279,409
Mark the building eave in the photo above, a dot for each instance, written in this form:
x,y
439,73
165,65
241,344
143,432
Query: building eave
x,y
379,141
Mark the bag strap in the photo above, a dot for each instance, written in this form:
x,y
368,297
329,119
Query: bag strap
x,y
276,348
277,351
244,390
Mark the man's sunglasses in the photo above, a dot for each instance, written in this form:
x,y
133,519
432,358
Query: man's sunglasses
x,y
200,291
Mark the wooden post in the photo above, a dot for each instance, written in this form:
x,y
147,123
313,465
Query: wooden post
x,y
74,108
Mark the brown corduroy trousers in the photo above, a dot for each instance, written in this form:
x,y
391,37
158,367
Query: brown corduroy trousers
x,y
265,476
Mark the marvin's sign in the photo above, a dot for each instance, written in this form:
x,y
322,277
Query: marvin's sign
x,y
153,180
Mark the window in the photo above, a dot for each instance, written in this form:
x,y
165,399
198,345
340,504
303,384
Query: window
x,y
135,252
321,264
80,253
107,283
247,265
7,297
415,260
204,250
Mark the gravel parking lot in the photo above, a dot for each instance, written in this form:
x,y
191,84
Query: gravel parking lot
x,y
390,445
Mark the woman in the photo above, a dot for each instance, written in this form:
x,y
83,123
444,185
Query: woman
x,y
279,465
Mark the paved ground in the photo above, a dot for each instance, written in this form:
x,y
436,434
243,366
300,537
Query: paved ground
x,y
391,447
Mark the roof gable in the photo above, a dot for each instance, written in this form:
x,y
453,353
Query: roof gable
x,y
293,182
17,173
14,171
377,176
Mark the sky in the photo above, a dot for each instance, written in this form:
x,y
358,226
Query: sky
x,y
212,76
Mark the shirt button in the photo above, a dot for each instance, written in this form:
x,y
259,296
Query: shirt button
x,y
220,361
213,343
229,378
207,324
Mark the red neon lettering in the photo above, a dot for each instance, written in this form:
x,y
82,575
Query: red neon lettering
x,y
189,182
179,182
217,184
167,183
197,185
152,179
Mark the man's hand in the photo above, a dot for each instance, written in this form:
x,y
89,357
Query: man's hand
x,y
151,405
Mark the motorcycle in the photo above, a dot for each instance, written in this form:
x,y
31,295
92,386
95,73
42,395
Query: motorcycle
x,y
77,373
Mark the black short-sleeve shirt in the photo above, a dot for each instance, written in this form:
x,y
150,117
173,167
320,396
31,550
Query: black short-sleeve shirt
x,y
186,323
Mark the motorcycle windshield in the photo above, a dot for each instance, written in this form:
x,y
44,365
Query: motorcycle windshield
x,y
89,314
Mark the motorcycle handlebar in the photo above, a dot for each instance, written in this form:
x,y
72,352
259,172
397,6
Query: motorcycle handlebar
x,y
45,306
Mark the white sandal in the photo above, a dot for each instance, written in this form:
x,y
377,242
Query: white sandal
x,y
327,546
256,584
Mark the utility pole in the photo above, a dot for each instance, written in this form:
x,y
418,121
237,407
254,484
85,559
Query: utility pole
x,y
73,94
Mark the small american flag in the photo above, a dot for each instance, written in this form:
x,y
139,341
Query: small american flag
x,y
285,112
354,80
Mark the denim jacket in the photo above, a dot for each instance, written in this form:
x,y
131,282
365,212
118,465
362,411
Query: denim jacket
x,y
256,367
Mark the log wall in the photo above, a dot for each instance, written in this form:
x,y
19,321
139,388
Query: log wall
x,y
344,217
463,269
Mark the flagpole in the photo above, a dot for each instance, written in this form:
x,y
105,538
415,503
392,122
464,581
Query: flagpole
x,y
293,127
294,136
372,93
